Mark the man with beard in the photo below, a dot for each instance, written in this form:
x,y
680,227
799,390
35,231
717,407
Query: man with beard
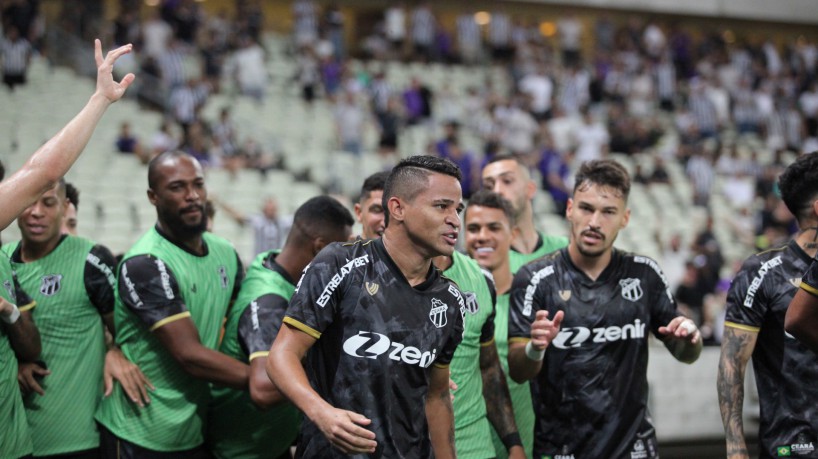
x,y
509,177
174,288
583,311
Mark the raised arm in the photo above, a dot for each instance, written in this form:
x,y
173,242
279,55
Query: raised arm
x,y
736,348
52,160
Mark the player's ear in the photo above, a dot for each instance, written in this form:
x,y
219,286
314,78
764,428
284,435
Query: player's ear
x,y
396,208
357,209
569,205
627,217
318,244
152,196
530,189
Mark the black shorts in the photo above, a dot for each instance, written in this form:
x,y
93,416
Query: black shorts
x,y
12,80
113,447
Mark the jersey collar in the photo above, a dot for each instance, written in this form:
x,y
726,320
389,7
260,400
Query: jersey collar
x,y
431,276
270,263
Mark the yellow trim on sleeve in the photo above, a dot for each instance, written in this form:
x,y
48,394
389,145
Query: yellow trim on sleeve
x,y
519,339
806,287
27,307
170,319
304,328
442,365
748,328
258,354
487,343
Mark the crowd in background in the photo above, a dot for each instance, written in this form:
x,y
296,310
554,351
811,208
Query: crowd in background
x,y
730,110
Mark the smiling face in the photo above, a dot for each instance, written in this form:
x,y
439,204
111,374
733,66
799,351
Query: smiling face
x,y
488,236
432,217
40,223
179,195
596,213
370,214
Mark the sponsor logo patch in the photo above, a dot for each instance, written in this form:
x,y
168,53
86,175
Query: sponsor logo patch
x,y
471,303
371,345
572,337
372,288
333,284
223,276
565,295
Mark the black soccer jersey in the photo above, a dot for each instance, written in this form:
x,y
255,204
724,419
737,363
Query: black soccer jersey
x,y
810,281
590,398
785,370
377,337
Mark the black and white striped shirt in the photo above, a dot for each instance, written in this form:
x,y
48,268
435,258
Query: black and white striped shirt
x,y
15,56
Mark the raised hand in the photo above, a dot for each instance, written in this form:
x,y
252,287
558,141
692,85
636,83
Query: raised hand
x,y
106,85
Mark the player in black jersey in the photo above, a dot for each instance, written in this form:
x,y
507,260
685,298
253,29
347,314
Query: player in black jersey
x,y
378,326
53,159
785,369
578,323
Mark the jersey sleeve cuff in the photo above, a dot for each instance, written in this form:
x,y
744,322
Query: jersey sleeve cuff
x,y
748,328
809,289
170,319
303,327
258,354
518,339
441,365
27,307
487,343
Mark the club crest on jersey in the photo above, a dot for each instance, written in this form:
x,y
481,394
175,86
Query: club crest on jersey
x,y
471,303
631,289
223,275
795,282
10,290
639,450
51,284
565,295
372,288
438,313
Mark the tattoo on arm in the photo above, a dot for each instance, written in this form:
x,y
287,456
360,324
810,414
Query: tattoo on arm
x,y
499,410
737,345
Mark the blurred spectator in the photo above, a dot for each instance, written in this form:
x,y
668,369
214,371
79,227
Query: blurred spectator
x,y
591,139
305,16
307,74
469,39
16,51
269,228
569,29
334,30
395,27
126,142
700,172
164,139
156,34
350,120
417,99
249,68
423,31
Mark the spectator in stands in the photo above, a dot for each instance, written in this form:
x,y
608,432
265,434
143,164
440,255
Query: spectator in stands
x,y
350,121
16,51
249,68
164,139
269,228
417,99
469,40
569,29
423,24
127,143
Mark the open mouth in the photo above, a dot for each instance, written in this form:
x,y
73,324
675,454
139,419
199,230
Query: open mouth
x,y
450,238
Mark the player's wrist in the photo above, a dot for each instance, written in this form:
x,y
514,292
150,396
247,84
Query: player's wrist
x,y
511,440
10,316
533,353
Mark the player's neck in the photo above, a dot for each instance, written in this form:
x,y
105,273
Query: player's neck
x,y
591,266
192,242
293,261
527,238
412,264
807,238
33,251
502,277
443,262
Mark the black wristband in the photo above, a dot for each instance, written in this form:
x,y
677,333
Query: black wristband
x,y
511,440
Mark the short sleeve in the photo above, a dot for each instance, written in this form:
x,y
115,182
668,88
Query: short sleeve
x,y
522,304
456,336
149,289
99,278
239,277
662,304
809,282
259,324
312,308
745,311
